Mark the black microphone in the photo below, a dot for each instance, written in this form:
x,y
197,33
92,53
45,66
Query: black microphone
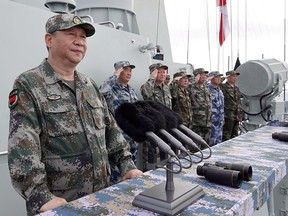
x,y
171,139
194,136
160,143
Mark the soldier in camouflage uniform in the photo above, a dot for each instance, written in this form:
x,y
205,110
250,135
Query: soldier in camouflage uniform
x,y
155,89
217,99
116,91
61,133
201,105
181,101
232,105
167,80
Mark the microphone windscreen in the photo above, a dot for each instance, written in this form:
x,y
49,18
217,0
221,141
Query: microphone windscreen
x,y
151,113
137,118
133,122
172,118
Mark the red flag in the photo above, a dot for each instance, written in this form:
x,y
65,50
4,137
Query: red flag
x,y
224,29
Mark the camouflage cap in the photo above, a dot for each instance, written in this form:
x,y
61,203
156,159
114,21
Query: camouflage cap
x,y
199,71
123,64
214,73
67,21
181,74
232,72
157,66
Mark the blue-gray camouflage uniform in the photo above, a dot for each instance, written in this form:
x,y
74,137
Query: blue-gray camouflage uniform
x,y
60,140
116,94
217,99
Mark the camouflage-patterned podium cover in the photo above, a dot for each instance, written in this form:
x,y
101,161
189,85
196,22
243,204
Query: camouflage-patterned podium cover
x,y
267,156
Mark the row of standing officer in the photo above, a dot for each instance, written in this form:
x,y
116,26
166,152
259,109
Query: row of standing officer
x,y
199,101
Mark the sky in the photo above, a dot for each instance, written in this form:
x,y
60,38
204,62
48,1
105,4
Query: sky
x,y
198,20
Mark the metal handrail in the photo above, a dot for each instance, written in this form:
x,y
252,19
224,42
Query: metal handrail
x,y
107,22
3,153
89,17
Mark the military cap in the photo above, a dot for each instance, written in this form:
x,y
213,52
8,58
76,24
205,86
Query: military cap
x,y
123,64
157,66
199,71
232,72
181,74
67,21
214,73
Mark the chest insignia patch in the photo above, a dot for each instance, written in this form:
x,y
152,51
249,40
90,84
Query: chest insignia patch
x,y
54,97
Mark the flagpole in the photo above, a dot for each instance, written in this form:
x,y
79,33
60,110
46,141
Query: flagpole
x,y
284,96
284,30
208,33
245,30
158,20
188,37
231,32
238,29
224,27
228,63
217,37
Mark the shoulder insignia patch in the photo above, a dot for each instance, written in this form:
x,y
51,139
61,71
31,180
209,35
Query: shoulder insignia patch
x,y
13,98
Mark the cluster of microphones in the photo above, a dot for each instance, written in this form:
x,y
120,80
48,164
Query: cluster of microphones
x,y
163,128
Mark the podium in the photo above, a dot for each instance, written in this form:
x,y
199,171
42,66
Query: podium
x,y
168,202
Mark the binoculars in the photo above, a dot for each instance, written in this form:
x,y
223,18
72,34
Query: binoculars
x,y
225,173
282,136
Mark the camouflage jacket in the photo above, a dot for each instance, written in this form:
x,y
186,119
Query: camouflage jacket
x,y
151,91
181,103
116,94
60,141
201,105
217,99
232,102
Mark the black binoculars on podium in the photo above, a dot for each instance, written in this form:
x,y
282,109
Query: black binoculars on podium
x,y
228,174
282,136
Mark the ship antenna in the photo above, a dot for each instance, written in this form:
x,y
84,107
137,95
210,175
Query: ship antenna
x,y
157,32
188,37
208,33
284,95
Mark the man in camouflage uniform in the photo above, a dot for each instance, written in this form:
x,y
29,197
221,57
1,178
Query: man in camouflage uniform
x,y
201,105
181,101
61,133
217,99
232,105
167,80
155,89
116,91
